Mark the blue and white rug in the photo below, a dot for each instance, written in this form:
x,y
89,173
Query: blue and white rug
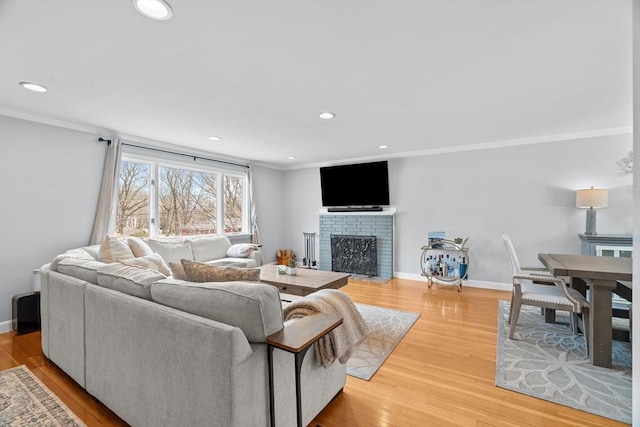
x,y
387,327
547,361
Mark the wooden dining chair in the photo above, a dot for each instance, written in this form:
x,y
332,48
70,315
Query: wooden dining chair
x,y
557,297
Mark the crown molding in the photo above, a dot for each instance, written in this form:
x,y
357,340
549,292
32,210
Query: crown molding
x,y
110,133
430,152
480,146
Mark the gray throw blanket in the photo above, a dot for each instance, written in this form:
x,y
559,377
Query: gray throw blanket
x,y
340,342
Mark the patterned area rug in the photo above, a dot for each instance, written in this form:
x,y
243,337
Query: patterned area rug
x,y
386,328
547,361
25,401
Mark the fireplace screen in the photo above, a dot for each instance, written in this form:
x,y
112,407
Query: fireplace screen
x,y
354,254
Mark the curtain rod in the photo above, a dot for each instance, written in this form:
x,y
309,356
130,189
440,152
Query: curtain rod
x,y
108,141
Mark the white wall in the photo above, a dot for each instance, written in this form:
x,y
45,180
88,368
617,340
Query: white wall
x,y
268,190
301,204
49,181
527,192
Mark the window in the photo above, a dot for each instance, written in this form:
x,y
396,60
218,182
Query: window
x,y
163,198
233,202
133,200
187,202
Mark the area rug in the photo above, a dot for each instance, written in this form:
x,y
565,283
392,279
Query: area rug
x,y
387,327
547,361
25,401
372,279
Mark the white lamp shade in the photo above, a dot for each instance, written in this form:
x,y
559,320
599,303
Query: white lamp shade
x,y
592,198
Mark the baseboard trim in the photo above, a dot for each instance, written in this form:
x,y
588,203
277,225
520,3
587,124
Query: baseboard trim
x,y
483,284
5,326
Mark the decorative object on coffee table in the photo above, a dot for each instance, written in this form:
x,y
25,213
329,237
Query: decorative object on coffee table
x,y
292,268
27,402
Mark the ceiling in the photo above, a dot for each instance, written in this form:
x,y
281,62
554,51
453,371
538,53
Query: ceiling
x,y
420,76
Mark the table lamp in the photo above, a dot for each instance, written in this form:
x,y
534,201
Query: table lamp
x,y
591,199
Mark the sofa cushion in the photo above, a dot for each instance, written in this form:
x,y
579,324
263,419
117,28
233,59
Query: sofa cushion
x,y
93,250
201,272
127,279
83,269
241,250
171,250
152,262
233,262
255,308
113,249
139,247
73,253
210,247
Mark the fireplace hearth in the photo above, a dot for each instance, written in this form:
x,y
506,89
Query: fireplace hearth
x,y
354,254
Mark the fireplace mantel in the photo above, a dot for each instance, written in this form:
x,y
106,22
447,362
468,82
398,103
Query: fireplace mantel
x,y
385,211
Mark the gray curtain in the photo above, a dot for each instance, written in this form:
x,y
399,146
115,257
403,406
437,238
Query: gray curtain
x,y
255,238
105,221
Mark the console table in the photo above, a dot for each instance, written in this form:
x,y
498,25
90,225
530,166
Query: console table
x,y
590,242
297,338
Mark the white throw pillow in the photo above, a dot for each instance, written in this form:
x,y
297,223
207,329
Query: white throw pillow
x,y
209,247
177,271
139,247
152,262
241,250
113,250
171,250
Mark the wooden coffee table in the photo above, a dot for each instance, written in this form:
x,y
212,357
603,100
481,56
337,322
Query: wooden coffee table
x,y
305,282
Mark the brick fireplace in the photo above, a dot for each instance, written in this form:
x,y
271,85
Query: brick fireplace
x,y
358,234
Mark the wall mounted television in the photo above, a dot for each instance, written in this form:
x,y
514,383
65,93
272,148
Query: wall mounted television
x,y
362,185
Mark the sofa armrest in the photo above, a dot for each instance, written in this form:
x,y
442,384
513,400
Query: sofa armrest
x,y
257,255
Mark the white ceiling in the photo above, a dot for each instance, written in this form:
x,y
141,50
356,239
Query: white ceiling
x,y
421,76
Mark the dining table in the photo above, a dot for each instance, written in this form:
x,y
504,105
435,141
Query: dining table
x,y
601,274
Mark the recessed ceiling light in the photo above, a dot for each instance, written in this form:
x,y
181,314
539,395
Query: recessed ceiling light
x,y
214,138
291,157
154,9
327,115
33,86
383,146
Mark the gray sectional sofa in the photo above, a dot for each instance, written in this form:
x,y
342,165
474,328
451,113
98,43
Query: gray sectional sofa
x,y
165,352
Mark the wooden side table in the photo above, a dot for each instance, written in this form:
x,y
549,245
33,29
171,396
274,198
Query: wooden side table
x,y
297,338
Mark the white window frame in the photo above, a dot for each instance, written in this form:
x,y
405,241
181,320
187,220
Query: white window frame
x,y
156,163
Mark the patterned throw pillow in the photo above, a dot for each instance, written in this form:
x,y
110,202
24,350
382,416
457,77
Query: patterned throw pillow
x,y
241,250
200,272
152,262
113,249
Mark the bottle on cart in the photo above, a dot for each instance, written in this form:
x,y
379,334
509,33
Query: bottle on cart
x,y
450,262
463,268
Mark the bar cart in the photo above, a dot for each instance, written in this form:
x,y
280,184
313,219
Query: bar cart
x,y
445,261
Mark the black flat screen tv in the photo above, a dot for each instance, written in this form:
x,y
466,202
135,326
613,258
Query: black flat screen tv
x,y
356,185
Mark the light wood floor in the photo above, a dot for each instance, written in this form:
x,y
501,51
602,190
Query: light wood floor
x,y
441,373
